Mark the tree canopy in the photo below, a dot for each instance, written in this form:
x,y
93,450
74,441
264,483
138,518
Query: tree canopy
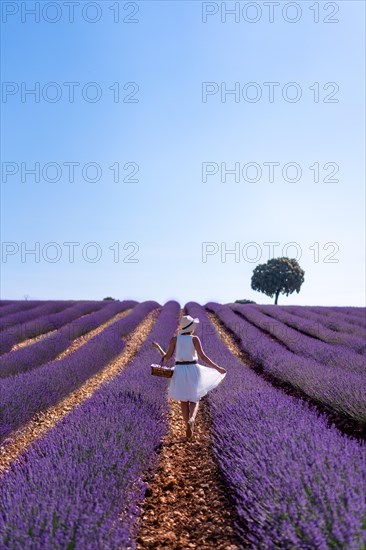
x,y
278,276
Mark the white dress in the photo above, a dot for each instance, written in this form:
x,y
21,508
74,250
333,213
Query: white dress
x,y
190,382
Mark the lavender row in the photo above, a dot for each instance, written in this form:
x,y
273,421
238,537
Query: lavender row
x,y
295,482
315,328
18,305
23,316
355,319
81,485
348,310
23,395
341,390
38,353
309,347
48,321
329,340
332,322
27,324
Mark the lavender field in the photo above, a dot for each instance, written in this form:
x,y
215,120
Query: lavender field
x,y
84,426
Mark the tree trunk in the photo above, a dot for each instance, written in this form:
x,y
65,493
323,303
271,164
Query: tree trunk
x,y
277,294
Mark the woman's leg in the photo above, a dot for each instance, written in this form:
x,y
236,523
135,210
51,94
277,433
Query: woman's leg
x,y
193,409
185,411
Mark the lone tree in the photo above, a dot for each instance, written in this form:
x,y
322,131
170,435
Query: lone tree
x,y
278,276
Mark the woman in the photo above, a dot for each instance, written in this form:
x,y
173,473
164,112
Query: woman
x,y
190,380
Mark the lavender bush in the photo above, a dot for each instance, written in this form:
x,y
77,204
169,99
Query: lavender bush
x,y
358,319
299,343
296,483
24,315
47,322
25,394
80,486
316,329
331,322
14,306
46,319
34,355
341,390
275,323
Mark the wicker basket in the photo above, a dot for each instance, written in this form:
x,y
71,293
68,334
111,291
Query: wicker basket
x,y
159,370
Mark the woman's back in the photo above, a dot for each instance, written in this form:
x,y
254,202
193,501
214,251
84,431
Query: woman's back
x,y
185,350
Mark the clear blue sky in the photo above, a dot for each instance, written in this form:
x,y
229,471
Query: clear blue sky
x,y
169,132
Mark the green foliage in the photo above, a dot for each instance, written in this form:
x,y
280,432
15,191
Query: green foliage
x,y
244,301
108,298
278,276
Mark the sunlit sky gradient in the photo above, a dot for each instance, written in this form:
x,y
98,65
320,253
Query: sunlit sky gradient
x,y
169,132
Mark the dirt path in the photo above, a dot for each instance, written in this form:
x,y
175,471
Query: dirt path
x,y
186,504
86,337
31,340
227,338
21,439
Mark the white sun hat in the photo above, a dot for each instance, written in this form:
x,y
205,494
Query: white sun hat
x,y
187,323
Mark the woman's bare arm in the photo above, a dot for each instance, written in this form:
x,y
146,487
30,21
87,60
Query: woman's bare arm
x,y
170,349
201,354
